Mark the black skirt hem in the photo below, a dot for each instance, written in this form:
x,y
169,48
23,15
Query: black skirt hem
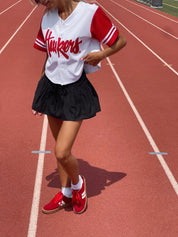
x,y
74,120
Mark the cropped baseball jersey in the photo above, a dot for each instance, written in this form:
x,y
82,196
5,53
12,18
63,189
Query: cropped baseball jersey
x,y
67,41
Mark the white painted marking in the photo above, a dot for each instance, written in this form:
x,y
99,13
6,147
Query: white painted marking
x,y
146,46
6,44
10,7
145,20
170,5
147,133
155,12
158,153
41,151
37,188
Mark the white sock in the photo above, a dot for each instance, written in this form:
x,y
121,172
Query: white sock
x,y
79,185
67,192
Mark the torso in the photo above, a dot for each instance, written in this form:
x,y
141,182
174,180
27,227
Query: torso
x,y
67,42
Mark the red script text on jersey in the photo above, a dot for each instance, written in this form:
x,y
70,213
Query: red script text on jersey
x,y
61,46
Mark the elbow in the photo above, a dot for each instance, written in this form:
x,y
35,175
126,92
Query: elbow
x,y
124,41
119,43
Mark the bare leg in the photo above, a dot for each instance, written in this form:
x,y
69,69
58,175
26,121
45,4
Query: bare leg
x,y
55,125
65,140
65,133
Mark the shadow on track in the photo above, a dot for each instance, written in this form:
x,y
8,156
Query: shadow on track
x,y
97,178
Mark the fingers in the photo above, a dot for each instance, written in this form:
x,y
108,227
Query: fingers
x,y
86,56
93,58
90,60
36,113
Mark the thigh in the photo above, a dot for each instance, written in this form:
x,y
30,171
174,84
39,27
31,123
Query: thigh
x,y
55,125
67,135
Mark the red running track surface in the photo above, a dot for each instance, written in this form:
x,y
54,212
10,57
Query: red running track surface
x,y
129,193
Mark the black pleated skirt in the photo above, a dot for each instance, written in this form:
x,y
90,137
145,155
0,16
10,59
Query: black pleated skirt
x,y
71,102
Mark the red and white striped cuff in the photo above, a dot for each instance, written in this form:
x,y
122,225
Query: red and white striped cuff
x,y
40,45
111,36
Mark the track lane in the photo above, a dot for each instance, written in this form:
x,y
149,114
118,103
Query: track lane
x,y
153,11
8,5
11,22
144,210
137,190
109,147
21,131
163,46
162,24
154,95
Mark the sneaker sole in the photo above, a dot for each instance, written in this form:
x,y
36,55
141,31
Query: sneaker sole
x,y
85,202
57,209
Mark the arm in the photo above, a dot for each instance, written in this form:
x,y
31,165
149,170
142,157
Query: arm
x,y
95,57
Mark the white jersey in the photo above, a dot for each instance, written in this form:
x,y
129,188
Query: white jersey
x,y
67,41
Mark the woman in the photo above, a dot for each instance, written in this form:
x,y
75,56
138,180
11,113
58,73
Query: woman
x,y
70,34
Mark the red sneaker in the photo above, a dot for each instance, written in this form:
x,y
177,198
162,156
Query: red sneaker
x,y
58,202
79,199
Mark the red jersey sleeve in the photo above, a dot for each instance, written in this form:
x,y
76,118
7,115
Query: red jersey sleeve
x,y
40,42
102,28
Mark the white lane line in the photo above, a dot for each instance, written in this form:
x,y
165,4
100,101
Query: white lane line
x,y
10,7
155,12
147,133
145,20
38,181
170,5
146,46
6,44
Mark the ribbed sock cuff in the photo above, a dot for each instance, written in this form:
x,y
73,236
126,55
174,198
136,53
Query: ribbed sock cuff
x,y
77,186
67,191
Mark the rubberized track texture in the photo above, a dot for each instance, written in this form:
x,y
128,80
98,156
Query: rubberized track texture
x,y
131,193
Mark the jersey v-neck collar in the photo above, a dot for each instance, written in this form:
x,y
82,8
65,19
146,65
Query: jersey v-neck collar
x,y
71,14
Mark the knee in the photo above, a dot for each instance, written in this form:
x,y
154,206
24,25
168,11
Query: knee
x,y
62,155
